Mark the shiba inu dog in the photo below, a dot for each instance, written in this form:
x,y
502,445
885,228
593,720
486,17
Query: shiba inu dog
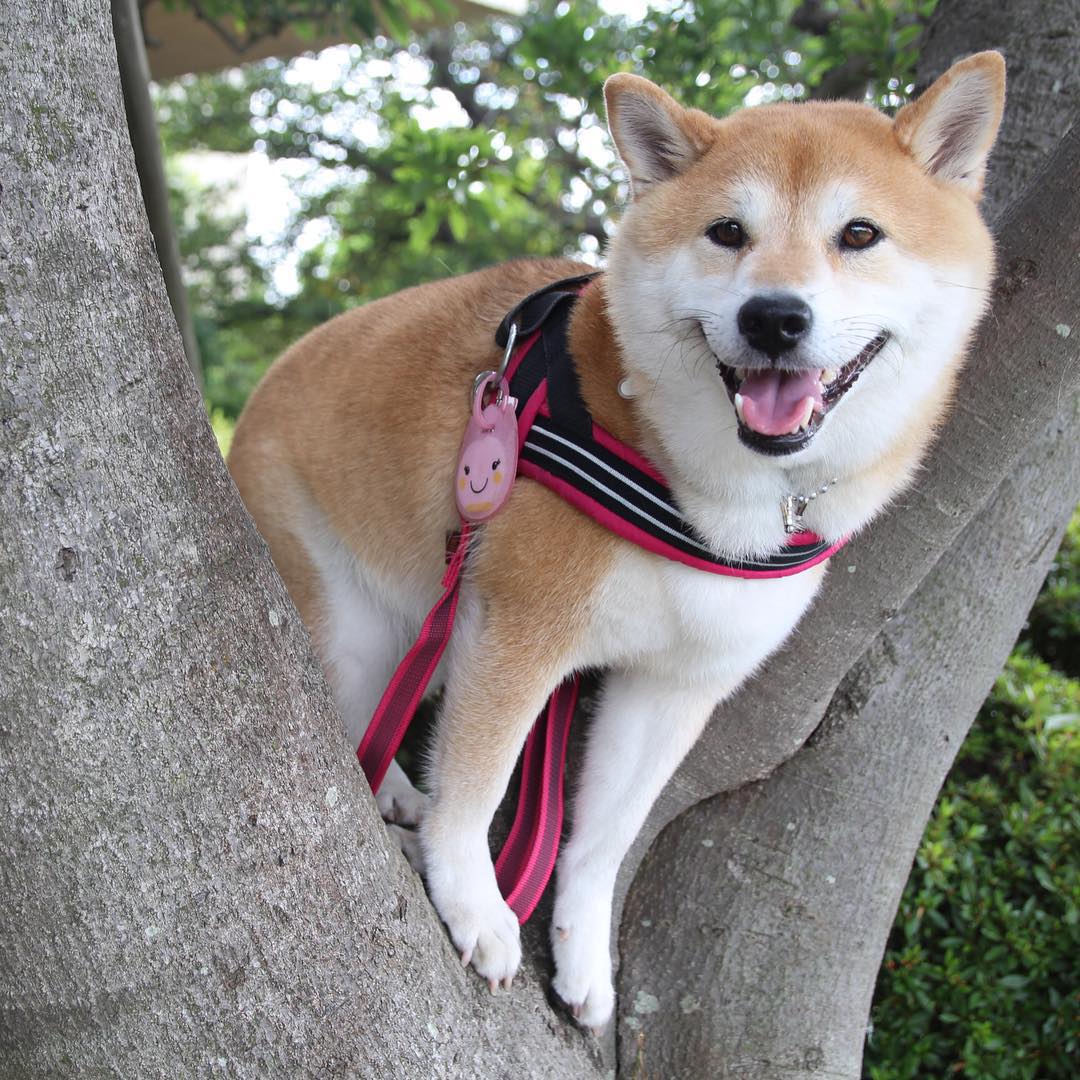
x,y
784,310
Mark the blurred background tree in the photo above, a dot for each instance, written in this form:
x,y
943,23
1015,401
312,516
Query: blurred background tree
x,y
302,188
465,146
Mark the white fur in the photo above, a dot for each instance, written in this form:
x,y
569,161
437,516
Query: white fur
x,y
675,315
367,627
681,640
954,139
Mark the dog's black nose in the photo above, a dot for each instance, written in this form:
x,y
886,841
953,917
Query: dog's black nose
x,y
775,323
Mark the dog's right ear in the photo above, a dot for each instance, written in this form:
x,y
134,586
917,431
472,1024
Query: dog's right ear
x,y
656,137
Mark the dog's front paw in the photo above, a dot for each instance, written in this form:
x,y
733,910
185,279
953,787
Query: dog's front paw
x,y
583,965
482,927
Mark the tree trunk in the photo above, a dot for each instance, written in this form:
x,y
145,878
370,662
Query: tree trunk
x,y
773,971
1039,40
754,932
194,879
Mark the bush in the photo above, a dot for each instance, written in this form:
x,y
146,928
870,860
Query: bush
x,y
980,976
1054,624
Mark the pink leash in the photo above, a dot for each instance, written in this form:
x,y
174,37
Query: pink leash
x,y
527,859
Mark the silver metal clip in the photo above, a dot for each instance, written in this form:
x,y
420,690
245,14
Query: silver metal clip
x,y
793,507
498,374
508,352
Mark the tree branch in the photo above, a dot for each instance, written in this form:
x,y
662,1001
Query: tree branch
x,y
792,901
238,45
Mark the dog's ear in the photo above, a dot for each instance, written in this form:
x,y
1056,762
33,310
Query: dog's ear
x,y
656,137
951,129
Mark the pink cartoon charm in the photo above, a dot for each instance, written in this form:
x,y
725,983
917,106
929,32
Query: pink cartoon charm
x,y
487,461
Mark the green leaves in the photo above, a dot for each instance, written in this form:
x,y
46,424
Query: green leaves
x,y
465,147
980,975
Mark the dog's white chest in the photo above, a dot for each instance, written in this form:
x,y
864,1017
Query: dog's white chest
x,y
692,626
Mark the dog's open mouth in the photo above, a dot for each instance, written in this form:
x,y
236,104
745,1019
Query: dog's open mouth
x,y
780,410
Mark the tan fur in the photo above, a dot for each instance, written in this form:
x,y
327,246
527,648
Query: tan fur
x,y
362,419
799,147
538,606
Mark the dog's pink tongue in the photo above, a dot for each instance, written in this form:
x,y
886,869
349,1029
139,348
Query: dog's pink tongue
x,y
775,402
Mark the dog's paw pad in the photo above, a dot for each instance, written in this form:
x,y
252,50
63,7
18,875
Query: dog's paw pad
x,y
594,1009
401,804
487,937
462,886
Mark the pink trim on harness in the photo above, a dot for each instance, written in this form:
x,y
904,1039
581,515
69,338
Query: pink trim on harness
x,y
628,531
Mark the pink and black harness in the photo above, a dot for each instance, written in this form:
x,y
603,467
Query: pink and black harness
x,y
561,447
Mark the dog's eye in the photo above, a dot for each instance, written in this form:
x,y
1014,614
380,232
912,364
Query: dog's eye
x,y
859,234
727,233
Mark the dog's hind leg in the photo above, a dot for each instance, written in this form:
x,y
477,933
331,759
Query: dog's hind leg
x,y
641,731
359,630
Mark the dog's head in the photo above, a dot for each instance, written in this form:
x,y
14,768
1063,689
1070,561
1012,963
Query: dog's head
x,y
796,284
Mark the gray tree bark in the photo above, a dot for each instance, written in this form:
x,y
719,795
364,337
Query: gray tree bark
x,y
193,878
772,973
1039,40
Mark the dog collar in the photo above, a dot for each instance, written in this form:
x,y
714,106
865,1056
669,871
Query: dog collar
x,y
562,447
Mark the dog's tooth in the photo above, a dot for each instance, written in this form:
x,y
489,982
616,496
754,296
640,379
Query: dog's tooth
x,y
829,376
740,373
739,407
804,423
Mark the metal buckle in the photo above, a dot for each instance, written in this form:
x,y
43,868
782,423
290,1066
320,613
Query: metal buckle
x,y
498,374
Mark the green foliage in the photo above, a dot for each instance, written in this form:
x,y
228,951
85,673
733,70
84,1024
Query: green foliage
x,y
223,430
1054,623
980,977
463,148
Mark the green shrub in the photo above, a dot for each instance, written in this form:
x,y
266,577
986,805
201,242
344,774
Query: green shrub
x,y
980,976
1054,624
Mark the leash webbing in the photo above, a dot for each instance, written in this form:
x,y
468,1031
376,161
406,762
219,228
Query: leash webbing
x,y
525,864
527,859
402,697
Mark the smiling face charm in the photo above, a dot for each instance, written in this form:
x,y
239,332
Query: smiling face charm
x,y
487,462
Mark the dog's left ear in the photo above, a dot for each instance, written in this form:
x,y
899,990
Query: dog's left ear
x,y
951,129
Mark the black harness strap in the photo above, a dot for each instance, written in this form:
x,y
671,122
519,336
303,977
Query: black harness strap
x,y
563,446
